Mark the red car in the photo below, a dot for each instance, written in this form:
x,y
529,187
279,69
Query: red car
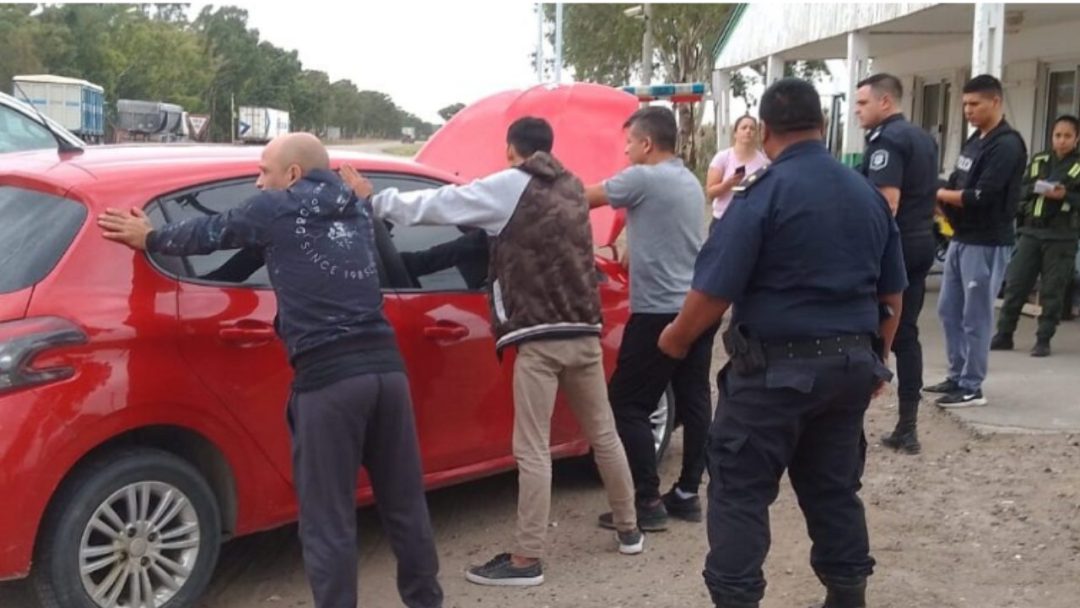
x,y
142,402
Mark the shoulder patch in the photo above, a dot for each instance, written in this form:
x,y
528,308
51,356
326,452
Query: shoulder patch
x,y
749,181
879,160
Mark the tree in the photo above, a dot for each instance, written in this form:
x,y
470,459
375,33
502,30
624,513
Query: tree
x,y
448,112
153,52
603,45
742,82
19,33
232,52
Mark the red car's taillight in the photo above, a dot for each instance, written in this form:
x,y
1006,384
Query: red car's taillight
x,y
22,341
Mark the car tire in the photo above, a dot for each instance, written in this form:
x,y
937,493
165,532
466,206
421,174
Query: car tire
x,y
174,532
661,434
663,421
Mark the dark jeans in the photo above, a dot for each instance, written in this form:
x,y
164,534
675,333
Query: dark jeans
x,y
641,376
804,416
362,420
918,259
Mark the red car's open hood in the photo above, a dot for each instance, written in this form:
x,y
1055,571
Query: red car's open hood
x,y
587,119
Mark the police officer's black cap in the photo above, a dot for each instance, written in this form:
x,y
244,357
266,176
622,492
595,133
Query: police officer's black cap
x,y
790,105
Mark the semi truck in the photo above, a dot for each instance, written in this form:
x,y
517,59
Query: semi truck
x,y
78,105
258,125
138,120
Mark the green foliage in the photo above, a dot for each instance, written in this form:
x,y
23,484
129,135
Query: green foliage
x,y
153,52
603,45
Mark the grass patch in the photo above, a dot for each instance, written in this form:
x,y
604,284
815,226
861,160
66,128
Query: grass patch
x,y
404,149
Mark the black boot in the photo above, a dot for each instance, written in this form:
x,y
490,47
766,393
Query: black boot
x,y
1041,348
848,594
1001,341
904,437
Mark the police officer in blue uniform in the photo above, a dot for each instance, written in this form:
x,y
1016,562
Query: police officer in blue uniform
x,y
809,256
902,161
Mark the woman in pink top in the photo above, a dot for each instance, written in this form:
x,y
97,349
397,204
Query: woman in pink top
x,y
730,166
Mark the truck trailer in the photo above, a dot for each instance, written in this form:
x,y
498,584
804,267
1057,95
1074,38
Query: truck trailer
x,y
258,125
138,120
78,105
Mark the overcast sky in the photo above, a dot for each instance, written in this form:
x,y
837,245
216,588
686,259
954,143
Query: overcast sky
x,y
426,55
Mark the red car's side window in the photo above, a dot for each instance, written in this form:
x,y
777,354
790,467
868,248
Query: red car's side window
x,y
437,258
414,257
209,199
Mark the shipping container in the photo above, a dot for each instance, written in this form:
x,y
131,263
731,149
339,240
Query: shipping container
x,y
76,104
259,124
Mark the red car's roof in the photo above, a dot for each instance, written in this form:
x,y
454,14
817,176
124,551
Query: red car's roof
x,y
138,162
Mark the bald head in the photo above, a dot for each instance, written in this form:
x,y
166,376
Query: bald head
x,y
289,157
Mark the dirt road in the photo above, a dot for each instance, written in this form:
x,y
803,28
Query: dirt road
x,y
981,522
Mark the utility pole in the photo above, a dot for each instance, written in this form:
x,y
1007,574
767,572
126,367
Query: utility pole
x,y
232,118
647,46
539,42
558,41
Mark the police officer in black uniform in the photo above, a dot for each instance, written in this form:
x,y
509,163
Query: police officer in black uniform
x,y
809,256
902,161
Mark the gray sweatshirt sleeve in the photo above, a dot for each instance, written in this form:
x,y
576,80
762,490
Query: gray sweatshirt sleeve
x,y
486,203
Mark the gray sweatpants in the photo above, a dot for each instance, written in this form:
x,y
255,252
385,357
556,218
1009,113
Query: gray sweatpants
x,y
972,279
363,420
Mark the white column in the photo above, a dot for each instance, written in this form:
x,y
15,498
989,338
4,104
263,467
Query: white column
x,y
988,39
858,64
774,69
721,94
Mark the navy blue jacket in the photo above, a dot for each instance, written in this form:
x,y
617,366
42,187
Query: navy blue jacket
x,y
319,247
805,250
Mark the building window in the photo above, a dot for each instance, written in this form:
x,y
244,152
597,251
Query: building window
x,y
935,100
1061,98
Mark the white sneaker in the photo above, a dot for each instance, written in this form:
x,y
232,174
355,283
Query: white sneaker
x,y
631,543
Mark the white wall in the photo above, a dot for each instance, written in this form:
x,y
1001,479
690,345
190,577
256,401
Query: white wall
x,y
1026,53
758,35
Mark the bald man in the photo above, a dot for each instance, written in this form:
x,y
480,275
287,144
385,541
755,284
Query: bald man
x,y
350,403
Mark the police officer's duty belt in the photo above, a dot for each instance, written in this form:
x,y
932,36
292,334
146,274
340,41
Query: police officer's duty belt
x,y
816,347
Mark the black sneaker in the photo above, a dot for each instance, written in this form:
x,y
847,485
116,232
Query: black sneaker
x,y
946,387
686,509
501,572
649,518
631,542
1001,342
1041,349
961,399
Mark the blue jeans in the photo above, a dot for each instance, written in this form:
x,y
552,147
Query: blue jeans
x,y
972,280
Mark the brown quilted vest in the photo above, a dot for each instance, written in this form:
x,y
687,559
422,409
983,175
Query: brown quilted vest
x,y
544,273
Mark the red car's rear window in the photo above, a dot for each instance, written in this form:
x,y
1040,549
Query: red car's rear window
x,y
35,231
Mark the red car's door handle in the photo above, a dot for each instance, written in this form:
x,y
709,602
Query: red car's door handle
x,y
247,333
445,331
